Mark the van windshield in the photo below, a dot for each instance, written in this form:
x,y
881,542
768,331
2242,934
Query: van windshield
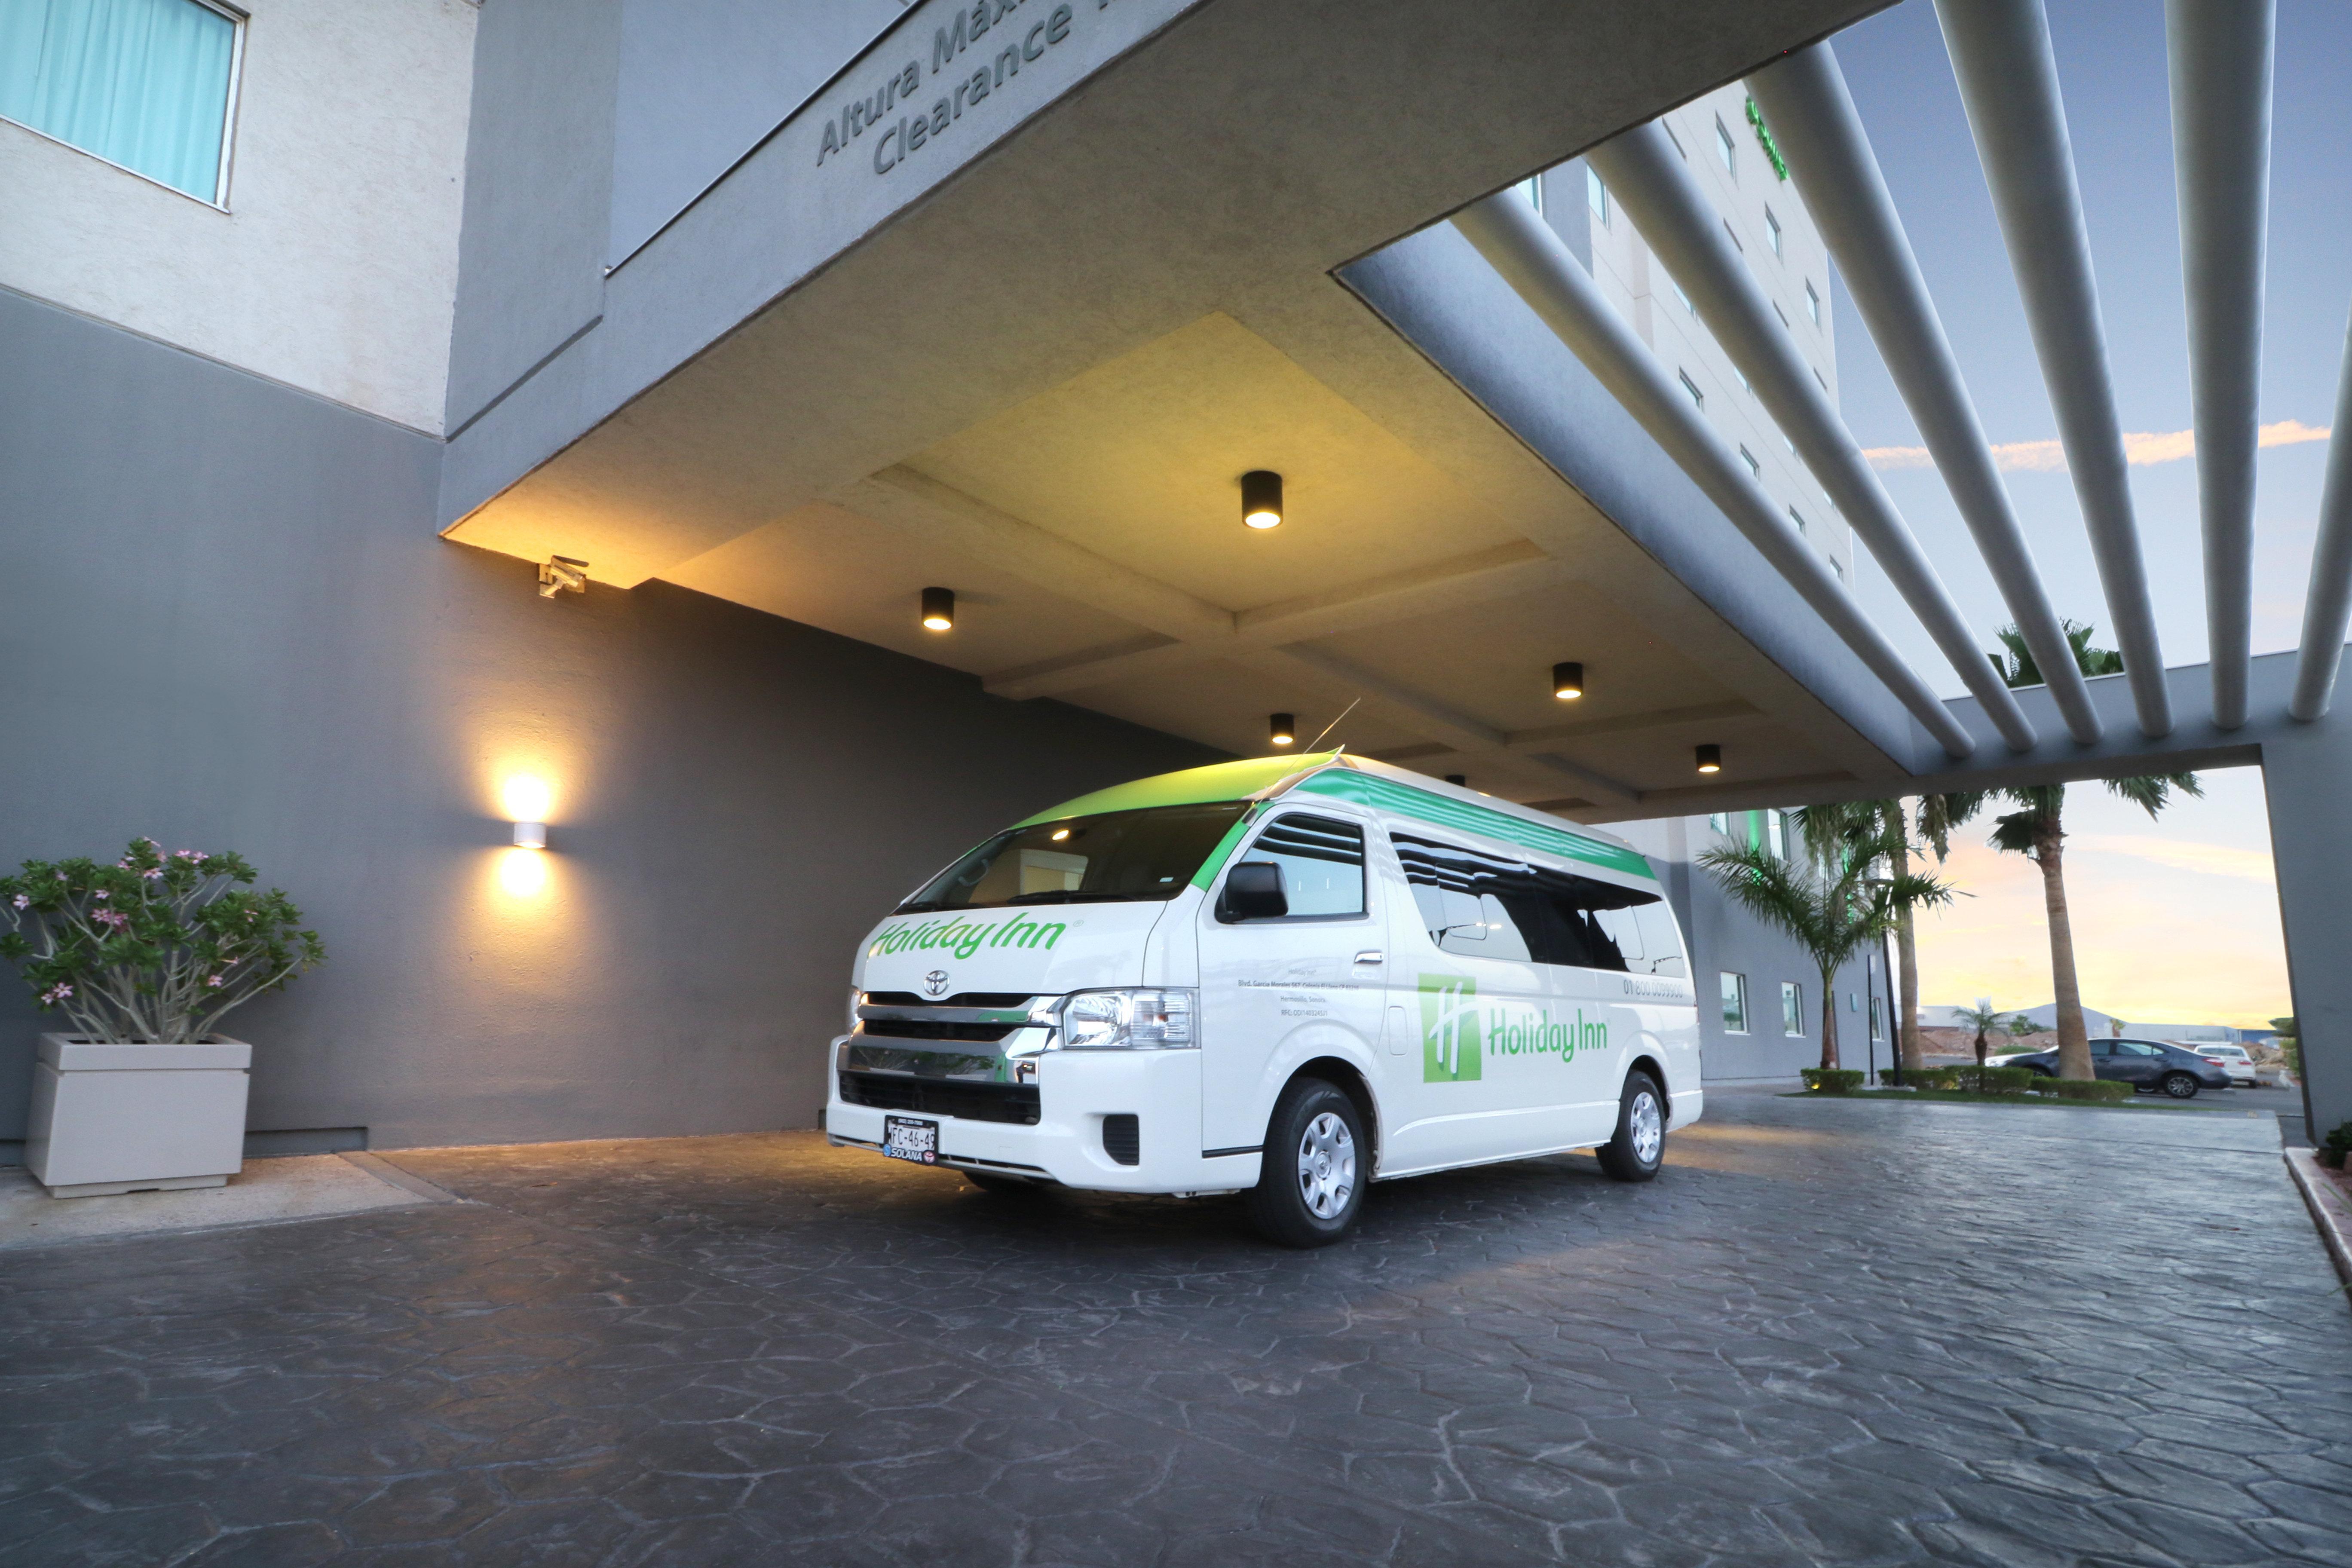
x,y
1114,858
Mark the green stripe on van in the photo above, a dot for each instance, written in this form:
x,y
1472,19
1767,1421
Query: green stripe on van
x,y
1192,786
1386,795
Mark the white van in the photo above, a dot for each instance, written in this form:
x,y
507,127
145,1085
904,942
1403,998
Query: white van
x,y
1287,977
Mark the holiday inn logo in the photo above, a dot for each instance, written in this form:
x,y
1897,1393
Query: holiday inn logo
x,y
963,938
1457,1037
1449,1029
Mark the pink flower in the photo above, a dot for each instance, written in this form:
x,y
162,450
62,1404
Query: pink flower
x,y
100,894
152,873
114,917
55,994
214,980
22,902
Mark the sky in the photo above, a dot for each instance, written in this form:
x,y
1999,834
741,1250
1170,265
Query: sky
x,y
2176,920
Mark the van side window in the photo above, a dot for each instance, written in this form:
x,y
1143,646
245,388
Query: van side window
x,y
1322,862
1489,906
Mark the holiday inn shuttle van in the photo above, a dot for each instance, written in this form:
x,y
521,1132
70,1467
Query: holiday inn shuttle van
x,y
1286,977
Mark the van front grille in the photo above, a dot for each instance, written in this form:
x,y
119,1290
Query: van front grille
x,y
960,999
1013,1102
924,1029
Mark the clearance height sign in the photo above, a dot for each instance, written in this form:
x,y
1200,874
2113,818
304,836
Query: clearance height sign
x,y
976,51
1459,1031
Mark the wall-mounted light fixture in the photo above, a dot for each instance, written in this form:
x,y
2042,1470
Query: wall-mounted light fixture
x,y
1568,680
561,575
938,609
1262,498
527,803
1281,729
1710,759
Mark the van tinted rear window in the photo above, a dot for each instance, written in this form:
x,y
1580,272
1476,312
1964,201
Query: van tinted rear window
x,y
1484,905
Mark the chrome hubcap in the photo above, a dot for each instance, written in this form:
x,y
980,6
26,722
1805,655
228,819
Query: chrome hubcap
x,y
1327,1166
1648,1126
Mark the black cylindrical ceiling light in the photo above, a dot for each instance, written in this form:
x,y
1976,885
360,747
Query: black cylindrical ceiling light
x,y
938,609
1710,759
1281,729
1462,779
1261,499
1568,680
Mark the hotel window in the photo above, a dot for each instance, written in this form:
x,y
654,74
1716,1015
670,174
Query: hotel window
x,y
1776,834
1596,195
1686,299
1812,304
1877,1018
1784,318
1755,468
1792,1008
1735,1002
1698,398
1838,566
146,85
1726,150
1673,138
1798,518
1772,232
1746,385
1721,823
1531,191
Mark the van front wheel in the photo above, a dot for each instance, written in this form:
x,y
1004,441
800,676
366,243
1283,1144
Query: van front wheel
x,y
1311,1175
1640,1144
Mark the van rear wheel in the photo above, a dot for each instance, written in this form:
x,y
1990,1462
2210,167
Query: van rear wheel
x,y
1638,1146
1311,1175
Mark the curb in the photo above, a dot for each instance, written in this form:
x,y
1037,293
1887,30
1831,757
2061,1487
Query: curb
x,y
2329,1208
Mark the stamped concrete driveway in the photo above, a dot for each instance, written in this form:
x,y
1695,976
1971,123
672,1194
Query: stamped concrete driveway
x,y
1830,1333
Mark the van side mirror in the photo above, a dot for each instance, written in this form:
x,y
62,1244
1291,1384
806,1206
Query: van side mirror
x,y
1253,892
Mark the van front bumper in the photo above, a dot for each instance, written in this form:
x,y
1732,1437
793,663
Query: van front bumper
x,y
1078,1094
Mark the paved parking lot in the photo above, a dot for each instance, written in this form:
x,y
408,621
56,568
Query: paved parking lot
x,y
1849,1333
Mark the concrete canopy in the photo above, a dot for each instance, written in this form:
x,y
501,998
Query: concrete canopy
x,y
1039,378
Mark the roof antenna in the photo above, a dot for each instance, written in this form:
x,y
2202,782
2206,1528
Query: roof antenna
x,y
1334,724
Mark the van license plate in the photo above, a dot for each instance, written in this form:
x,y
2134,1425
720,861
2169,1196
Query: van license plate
x,y
905,1138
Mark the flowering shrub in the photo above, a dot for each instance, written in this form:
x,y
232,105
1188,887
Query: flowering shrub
x,y
155,947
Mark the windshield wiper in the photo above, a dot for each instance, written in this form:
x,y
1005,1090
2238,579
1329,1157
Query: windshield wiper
x,y
1062,898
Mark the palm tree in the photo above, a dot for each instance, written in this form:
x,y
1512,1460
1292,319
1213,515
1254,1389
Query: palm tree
x,y
1832,911
2036,830
1831,831
1984,1019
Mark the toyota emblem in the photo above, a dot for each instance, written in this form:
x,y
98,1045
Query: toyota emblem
x,y
936,982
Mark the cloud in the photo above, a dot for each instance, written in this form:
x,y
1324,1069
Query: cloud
x,y
2141,449
2213,859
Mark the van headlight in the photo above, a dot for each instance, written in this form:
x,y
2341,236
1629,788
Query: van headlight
x,y
1127,1020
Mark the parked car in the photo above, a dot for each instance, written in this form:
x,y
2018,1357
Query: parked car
x,y
2235,1060
2150,1066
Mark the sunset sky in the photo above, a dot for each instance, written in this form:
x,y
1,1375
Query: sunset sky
x,y
2176,921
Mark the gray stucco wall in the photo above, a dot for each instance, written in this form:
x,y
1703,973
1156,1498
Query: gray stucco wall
x,y
1721,938
228,625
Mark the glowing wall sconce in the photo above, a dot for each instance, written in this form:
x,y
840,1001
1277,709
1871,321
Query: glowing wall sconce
x,y
1281,729
1710,759
938,609
526,802
1568,680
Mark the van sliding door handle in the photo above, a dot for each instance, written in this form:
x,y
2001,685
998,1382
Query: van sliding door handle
x,y
1368,956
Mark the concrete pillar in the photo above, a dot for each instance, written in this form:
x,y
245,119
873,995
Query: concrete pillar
x,y
2308,773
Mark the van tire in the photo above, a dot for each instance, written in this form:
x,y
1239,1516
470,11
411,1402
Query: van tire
x,y
1315,1157
1638,1146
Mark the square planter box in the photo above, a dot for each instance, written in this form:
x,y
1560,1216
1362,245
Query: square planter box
x,y
131,1118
